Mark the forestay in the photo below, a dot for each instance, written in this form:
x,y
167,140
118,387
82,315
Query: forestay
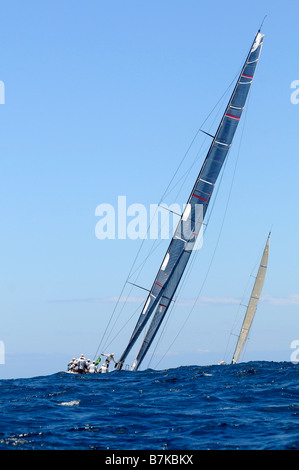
x,y
183,241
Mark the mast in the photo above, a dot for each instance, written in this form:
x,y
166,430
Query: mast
x,y
183,241
253,303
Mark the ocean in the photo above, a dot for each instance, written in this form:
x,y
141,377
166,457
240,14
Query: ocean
x,y
247,406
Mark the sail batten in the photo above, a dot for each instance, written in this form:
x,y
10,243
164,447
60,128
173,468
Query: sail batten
x,y
252,305
189,226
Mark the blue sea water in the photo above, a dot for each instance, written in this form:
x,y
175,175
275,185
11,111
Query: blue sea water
x,y
249,406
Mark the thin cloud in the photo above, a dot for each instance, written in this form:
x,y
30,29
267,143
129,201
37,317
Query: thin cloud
x,y
136,299
130,299
123,299
209,300
292,299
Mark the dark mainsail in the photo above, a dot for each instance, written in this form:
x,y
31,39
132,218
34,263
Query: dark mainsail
x,y
184,239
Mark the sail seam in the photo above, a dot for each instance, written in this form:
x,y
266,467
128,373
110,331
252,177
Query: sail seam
x,y
205,181
221,143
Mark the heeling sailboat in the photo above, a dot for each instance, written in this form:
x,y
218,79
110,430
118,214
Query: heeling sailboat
x,y
182,244
253,303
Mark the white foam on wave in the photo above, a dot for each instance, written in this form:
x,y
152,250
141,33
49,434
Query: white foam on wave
x,y
70,403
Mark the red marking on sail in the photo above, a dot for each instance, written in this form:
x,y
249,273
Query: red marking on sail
x,y
247,76
231,116
162,305
198,197
158,284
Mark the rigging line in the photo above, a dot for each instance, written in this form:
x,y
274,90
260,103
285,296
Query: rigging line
x,y
183,178
113,312
187,275
243,353
121,328
173,305
180,164
127,279
220,229
122,309
175,173
112,315
246,292
142,263
128,295
121,293
230,348
199,293
157,246
157,243
248,288
198,154
154,248
196,299
241,304
218,239
161,335
140,267
191,264
125,283
180,289
239,315
116,319
166,192
262,22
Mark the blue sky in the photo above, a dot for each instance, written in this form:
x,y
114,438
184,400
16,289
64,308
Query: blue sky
x,y
102,99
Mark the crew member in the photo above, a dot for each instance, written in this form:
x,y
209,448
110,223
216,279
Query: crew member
x,y
109,358
72,365
93,368
82,364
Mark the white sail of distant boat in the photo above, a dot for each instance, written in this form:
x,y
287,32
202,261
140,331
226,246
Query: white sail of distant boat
x,y
253,303
183,241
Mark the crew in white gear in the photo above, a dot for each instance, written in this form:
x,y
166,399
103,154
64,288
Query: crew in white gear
x,y
109,358
93,368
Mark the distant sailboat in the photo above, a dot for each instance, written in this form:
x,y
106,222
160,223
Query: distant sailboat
x,y
253,303
182,244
